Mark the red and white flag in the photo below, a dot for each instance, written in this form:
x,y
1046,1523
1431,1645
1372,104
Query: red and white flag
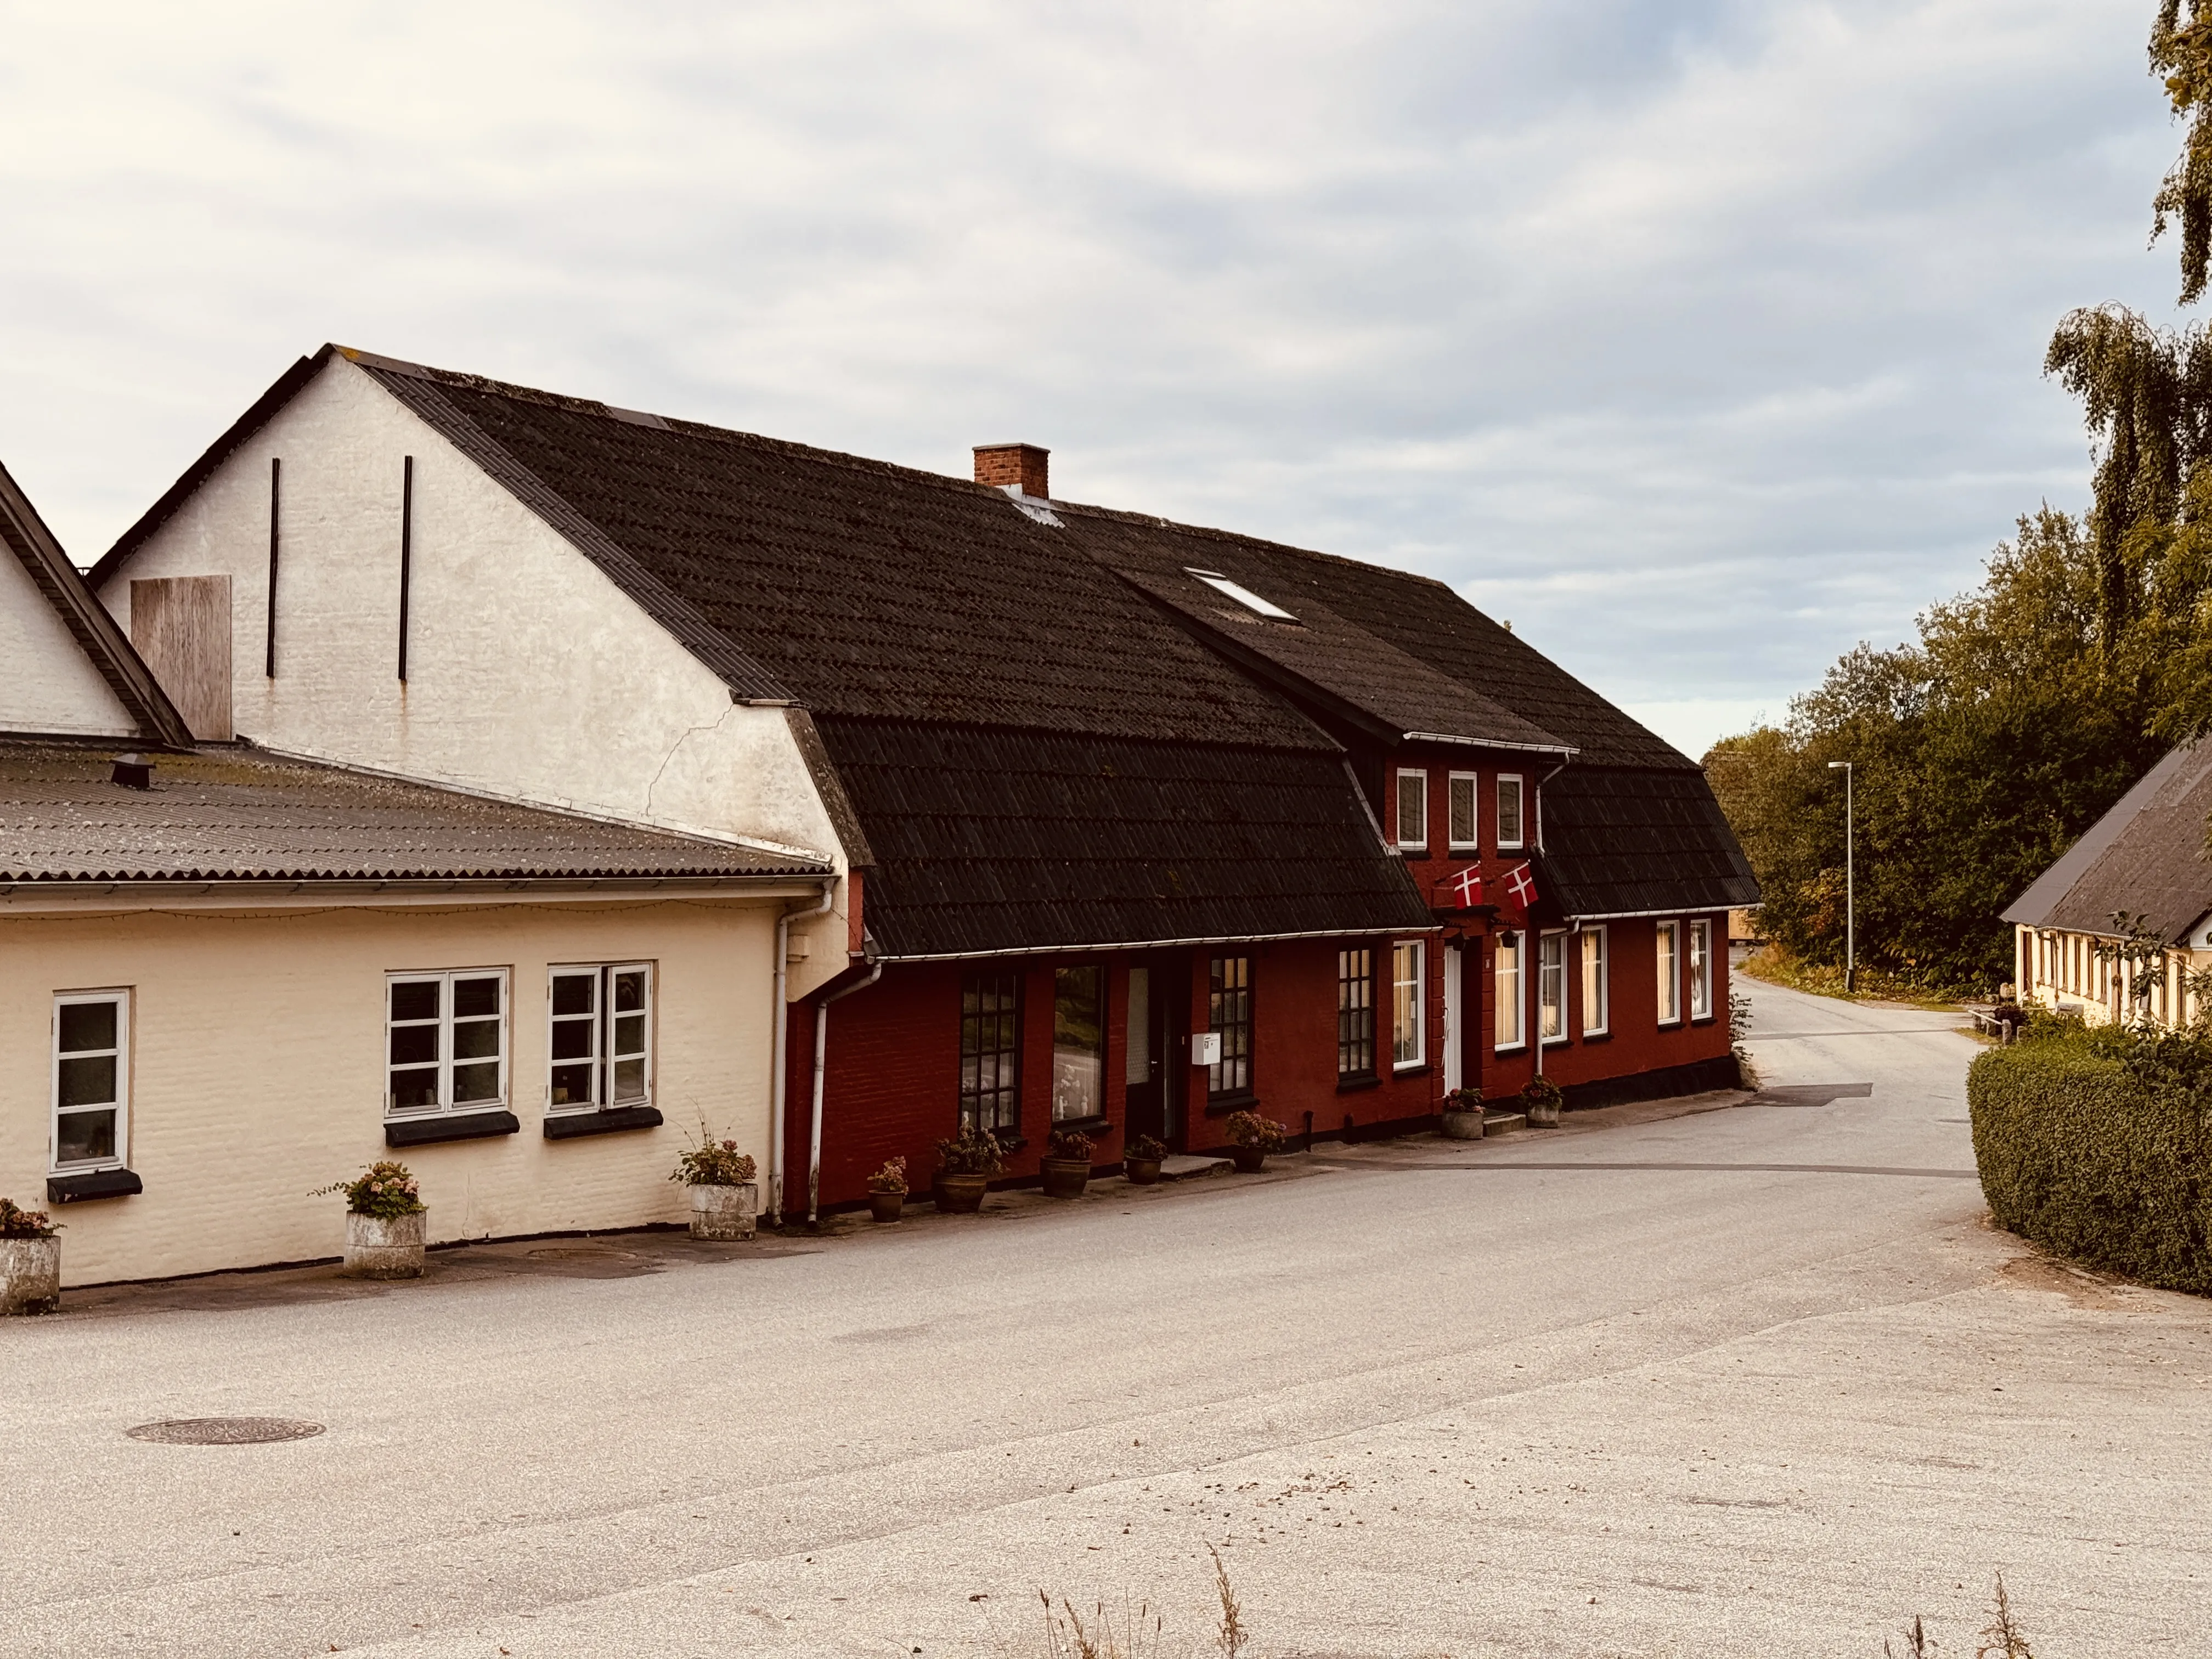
x,y
1520,889
1461,891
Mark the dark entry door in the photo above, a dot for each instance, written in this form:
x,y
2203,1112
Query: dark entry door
x,y
1159,1012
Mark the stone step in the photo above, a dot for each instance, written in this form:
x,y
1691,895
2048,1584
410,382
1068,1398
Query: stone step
x,y
1181,1166
1497,1123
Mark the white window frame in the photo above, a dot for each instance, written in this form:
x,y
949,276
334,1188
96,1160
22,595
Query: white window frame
x,y
1551,965
1701,969
1511,990
1520,841
120,996
1420,779
1473,843
1667,946
604,1056
1596,985
444,977
1409,1014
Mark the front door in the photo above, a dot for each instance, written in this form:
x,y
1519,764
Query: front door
x,y
1455,1022
1159,1010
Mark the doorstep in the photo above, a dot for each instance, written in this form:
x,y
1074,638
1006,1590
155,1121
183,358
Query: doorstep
x,y
1182,1166
1497,1123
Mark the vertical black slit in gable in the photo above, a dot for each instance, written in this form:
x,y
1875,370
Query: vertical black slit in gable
x,y
276,479
406,552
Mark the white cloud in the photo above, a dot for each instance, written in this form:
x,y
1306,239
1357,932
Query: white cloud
x,y
1701,339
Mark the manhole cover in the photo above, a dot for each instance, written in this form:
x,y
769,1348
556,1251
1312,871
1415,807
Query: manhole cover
x,y
224,1430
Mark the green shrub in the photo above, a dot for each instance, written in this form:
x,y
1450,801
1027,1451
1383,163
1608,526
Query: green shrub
x,y
2094,1145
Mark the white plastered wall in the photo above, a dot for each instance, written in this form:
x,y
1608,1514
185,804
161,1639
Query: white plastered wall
x,y
48,685
531,676
256,1070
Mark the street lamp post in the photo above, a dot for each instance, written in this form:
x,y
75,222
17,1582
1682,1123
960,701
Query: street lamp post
x,y
1850,894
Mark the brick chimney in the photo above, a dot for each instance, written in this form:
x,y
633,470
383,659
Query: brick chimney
x,y
1000,465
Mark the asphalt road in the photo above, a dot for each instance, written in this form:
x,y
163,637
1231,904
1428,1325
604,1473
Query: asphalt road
x,y
1747,1381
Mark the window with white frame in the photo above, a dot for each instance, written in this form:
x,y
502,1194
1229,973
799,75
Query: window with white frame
x,y
1509,829
1407,957
446,1042
1412,808
1552,987
92,1080
1506,971
1701,969
1667,960
1597,985
1459,801
601,1040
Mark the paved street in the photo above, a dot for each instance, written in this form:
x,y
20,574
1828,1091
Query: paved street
x,y
1745,1380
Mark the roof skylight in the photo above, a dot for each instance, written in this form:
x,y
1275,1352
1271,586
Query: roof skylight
x,y
1243,595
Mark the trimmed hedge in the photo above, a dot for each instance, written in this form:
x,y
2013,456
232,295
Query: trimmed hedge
x,y
2094,1145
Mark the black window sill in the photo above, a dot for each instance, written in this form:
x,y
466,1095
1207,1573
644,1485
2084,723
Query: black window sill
x,y
1352,1085
1589,1037
458,1125
1414,854
569,1126
92,1183
1221,1105
1411,1070
1094,1126
1702,1019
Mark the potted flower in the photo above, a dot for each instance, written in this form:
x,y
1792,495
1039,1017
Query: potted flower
x,y
1140,1160
1066,1165
724,1196
887,1191
1463,1114
385,1223
30,1261
1251,1138
965,1166
1540,1101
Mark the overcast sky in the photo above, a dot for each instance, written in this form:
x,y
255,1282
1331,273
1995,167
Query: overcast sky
x,y
1699,339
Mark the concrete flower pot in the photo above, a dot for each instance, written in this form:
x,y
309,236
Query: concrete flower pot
x,y
1142,1172
961,1195
30,1275
886,1206
1248,1160
1544,1115
1065,1177
384,1247
725,1213
1462,1126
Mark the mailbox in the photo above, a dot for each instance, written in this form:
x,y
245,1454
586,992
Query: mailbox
x,y
1205,1049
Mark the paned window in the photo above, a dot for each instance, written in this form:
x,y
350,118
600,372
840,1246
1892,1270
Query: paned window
x,y
602,1037
991,1050
1459,799
1509,812
1511,992
446,1042
91,1077
1598,984
1669,962
1412,808
1078,1042
1406,1003
1355,1012
1552,987
1701,969
1229,1011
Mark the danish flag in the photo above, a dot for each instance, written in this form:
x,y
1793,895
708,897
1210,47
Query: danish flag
x,y
1463,891
1521,886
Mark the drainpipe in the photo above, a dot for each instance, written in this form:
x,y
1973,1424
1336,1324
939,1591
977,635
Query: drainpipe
x,y
821,1055
779,1067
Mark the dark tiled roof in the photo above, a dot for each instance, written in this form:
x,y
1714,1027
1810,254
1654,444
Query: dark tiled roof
x,y
997,840
868,589
97,635
233,815
2146,856
1620,842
